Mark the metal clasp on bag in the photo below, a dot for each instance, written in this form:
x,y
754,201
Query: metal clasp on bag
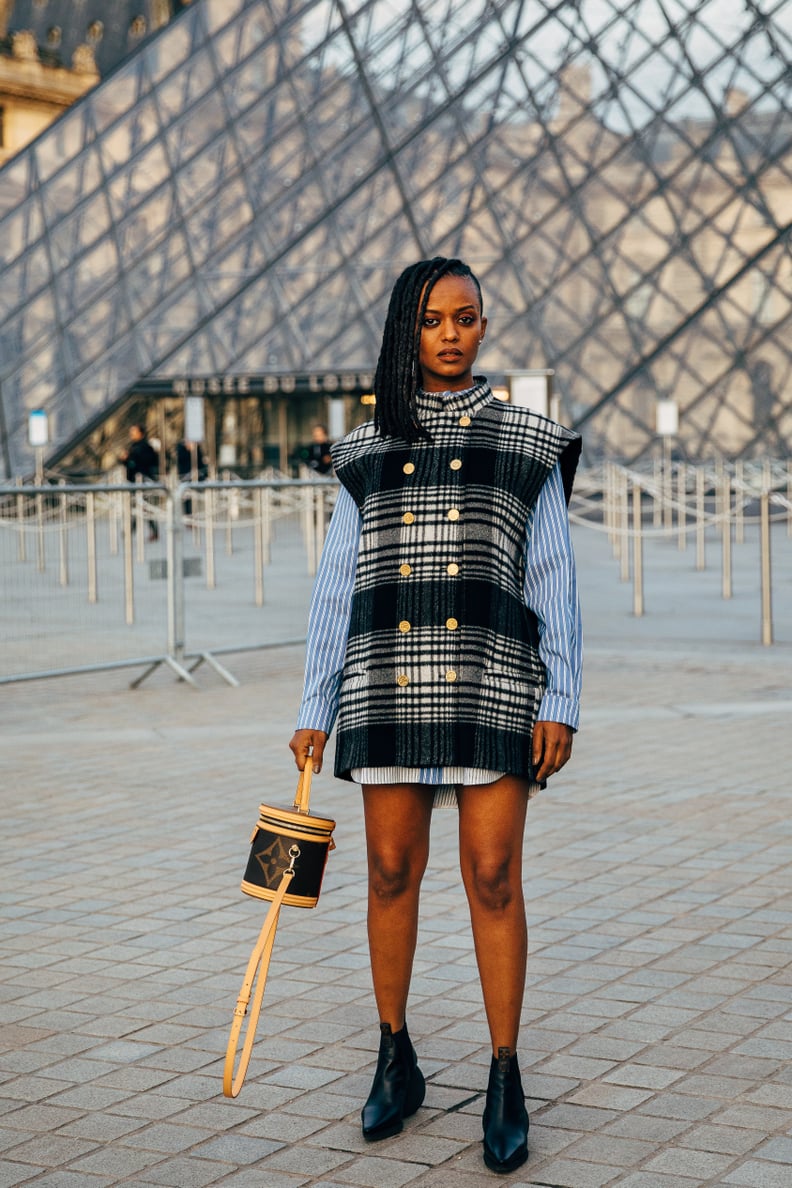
x,y
294,854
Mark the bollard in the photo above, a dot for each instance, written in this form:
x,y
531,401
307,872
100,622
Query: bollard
x,y
682,512
726,526
624,534
63,543
701,559
209,517
668,487
739,506
22,532
266,525
764,549
174,551
258,546
638,598
231,497
129,580
90,545
657,491
309,529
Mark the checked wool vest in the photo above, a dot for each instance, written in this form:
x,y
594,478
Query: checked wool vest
x,y
441,666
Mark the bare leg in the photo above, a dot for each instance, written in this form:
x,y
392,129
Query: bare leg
x,y
491,825
397,843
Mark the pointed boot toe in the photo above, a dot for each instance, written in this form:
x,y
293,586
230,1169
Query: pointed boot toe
x,y
505,1116
398,1088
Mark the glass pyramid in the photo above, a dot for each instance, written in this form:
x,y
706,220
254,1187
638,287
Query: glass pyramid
x,y
239,195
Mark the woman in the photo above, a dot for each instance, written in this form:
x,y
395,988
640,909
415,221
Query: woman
x,y
444,635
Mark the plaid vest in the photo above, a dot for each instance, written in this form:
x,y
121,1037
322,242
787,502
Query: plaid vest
x,y
441,664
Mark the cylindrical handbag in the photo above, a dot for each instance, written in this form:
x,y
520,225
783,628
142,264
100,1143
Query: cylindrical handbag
x,y
288,853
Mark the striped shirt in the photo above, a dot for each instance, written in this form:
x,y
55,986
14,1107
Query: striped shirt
x,y
550,591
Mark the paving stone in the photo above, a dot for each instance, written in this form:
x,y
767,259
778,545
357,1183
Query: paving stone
x,y
653,1036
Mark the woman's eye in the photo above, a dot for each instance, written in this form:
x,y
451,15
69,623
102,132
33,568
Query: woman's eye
x,y
430,321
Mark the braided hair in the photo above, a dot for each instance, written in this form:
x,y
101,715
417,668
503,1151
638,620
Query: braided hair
x,y
398,378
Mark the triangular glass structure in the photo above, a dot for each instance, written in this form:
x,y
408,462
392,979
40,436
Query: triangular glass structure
x,y
239,195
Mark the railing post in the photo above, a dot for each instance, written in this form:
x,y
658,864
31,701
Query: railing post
x,y
765,561
726,527
637,518
90,545
129,580
174,546
624,535
701,559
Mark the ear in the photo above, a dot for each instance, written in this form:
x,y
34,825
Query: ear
x,y
483,329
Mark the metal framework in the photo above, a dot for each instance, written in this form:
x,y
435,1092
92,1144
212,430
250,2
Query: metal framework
x,y
240,194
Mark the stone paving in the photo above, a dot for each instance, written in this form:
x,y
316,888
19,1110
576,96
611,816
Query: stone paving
x,y
656,1040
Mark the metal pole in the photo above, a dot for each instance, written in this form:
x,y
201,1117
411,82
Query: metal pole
x,y
624,539
90,541
726,527
309,526
113,517
789,498
739,505
41,560
657,501
22,533
638,598
767,600
266,526
258,547
668,487
211,579
701,559
682,501
63,544
129,580
229,533
174,530
140,554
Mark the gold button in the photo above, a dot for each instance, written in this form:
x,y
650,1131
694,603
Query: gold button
x,y
408,518
464,421
404,626
453,513
456,463
408,467
402,680
452,624
453,569
451,676
405,570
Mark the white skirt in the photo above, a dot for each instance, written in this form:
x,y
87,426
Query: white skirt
x,y
443,780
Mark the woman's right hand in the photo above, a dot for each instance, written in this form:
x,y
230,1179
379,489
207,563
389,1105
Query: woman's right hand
x,y
308,742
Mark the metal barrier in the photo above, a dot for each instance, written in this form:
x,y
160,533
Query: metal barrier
x,y
85,587
82,587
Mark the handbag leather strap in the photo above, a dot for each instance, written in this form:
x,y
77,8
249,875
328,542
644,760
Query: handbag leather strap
x,y
255,974
258,965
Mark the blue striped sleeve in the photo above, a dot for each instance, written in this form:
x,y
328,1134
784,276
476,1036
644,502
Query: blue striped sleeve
x,y
551,593
328,620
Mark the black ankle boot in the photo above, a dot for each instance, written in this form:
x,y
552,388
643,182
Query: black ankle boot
x,y
505,1116
398,1087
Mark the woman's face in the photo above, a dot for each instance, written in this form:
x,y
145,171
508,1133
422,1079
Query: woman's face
x,y
451,334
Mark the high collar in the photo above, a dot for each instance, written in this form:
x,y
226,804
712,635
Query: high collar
x,y
469,400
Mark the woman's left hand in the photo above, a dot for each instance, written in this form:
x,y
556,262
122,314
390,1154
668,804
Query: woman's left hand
x,y
552,746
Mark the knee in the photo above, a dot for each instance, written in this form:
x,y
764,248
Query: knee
x,y
392,876
492,883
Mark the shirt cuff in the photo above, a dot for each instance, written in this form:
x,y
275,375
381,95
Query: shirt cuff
x,y
555,707
315,716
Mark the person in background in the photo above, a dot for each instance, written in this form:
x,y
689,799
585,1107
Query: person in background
x,y
317,454
141,459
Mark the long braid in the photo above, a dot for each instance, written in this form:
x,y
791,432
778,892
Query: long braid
x,y
397,378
